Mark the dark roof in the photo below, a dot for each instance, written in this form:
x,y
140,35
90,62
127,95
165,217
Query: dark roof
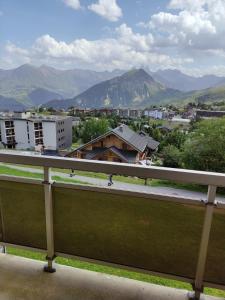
x,y
127,156
90,154
138,140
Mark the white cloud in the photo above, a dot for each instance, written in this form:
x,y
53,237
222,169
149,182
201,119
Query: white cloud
x,y
190,36
198,25
11,48
126,50
187,4
108,9
75,4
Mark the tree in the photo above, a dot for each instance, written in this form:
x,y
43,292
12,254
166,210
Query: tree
x,y
205,147
113,121
94,128
175,138
172,157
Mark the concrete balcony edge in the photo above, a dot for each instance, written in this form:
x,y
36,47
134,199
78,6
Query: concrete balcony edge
x,y
24,279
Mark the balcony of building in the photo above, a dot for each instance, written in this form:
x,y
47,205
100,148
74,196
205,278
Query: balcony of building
x,y
169,236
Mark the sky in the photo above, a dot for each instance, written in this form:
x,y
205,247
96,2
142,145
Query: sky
x,y
188,35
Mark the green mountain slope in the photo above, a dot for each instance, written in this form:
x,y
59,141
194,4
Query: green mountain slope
x,y
10,104
20,82
208,96
135,88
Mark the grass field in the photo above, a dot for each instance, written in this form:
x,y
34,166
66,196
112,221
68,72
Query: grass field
x,y
8,169
15,172
140,181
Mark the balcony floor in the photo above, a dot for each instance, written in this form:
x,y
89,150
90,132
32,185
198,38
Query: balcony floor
x,y
23,279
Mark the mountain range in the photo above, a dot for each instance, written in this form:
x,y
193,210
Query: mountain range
x,y
175,79
135,88
26,84
29,86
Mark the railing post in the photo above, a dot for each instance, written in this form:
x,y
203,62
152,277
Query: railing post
x,y
199,277
49,221
2,249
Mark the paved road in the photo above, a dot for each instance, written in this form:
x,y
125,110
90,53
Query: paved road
x,y
126,186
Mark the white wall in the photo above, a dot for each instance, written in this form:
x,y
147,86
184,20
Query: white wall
x,y
3,132
31,133
21,137
64,133
49,135
56,134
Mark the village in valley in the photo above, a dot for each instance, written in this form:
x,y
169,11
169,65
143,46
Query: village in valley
x,y
155,136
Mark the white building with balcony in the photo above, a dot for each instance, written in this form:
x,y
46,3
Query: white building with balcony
x,y
27,131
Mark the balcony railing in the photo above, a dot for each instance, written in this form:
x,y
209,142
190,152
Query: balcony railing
x,y
168,236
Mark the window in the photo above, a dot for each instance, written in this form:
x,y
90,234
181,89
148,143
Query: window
x,y
9,124
10,132
11,140
39,142
38,126
38,134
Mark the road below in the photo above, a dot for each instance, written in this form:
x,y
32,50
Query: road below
x,y
123,186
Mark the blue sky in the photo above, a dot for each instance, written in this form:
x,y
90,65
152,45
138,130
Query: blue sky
x,y
25,20
109,34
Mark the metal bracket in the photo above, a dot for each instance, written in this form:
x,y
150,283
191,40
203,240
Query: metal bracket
x,y
49,267
2,249
196,294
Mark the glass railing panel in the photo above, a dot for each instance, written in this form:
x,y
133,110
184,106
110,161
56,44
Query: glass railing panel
x,y
139,232
23,214
215,266
1,220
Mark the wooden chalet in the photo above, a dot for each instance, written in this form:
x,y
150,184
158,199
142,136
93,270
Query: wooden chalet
x,y
118,145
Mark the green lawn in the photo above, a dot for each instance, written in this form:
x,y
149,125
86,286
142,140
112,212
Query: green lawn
x,y
114,271
9,170
139,181
15,172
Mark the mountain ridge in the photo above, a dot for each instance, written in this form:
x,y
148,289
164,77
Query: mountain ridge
x,y
134,88
32,86
18,83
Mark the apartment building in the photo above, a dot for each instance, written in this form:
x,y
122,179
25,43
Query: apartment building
x,y
30,131
155,114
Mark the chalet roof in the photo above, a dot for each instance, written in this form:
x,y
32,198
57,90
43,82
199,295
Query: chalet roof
x,y
90,154
139,141
127,156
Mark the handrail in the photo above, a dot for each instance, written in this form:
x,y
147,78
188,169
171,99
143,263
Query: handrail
x,y
179,175
210,179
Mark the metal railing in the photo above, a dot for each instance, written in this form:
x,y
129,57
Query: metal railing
x,y
212,180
